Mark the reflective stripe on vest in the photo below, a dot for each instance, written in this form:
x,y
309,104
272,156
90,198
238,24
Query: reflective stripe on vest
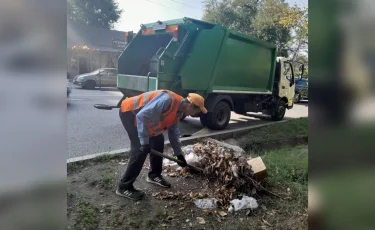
x,y
167,119
137,102
172,107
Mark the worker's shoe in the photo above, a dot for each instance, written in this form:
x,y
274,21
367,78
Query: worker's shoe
x,y
132,194
159,180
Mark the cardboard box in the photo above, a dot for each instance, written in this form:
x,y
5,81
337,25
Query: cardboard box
x,y
258,167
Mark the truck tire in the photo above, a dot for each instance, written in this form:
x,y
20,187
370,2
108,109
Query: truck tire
x,y
90,84
280,110
203,119
219,118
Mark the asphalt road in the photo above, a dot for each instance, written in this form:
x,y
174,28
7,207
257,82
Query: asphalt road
x,y
90,130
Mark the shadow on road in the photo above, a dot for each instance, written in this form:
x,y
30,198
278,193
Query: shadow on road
x,y
70,105
304,103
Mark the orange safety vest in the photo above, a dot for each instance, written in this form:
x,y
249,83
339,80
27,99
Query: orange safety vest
x,y
167,118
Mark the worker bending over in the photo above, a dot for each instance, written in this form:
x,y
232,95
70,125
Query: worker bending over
x,y
145,118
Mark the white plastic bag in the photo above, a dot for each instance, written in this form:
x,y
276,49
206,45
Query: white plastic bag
x,y
192,159
170,163
190,156
208,203
245,203
187,149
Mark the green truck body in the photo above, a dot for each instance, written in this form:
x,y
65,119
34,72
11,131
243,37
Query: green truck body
x,y
232,71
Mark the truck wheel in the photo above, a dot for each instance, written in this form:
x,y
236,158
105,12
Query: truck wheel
x,y
90,85
219,118
279,111
203,119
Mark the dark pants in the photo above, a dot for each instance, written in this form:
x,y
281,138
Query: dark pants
x,y
137,159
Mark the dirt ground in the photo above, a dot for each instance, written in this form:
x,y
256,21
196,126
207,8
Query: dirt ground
x,y
92,204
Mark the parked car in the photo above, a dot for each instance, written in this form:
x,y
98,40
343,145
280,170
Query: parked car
x,y
301,90
104,77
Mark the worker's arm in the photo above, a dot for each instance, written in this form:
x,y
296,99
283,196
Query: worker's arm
x,y
150,114
174,139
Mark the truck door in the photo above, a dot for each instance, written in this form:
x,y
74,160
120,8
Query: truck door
x,y
287,85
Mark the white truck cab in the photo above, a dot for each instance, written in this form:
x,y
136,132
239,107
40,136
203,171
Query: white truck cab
x,y
287,80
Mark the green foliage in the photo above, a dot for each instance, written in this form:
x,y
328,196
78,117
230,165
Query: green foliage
x,y
238,15
107,179
270,20
87,216
276,132
95,13
296,19
289,165
267,25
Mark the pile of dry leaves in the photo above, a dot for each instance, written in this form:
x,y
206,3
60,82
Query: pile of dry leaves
x,y
226,175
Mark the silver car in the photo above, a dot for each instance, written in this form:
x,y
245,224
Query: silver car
x,y
104,77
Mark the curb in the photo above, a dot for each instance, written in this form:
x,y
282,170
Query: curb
x,y
226,134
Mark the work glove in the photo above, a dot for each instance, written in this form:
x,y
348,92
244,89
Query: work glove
x,y
145,149
182,158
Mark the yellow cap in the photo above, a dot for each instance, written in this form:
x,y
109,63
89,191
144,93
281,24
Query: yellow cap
x,y
197,100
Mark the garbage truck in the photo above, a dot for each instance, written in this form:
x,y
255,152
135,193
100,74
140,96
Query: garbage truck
x,y
232,71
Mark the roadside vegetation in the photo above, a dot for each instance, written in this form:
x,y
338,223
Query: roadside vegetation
x,y
289,133
92,203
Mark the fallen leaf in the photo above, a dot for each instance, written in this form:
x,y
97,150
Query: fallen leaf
x,y
264,207
248,212
222,213
266,222
253,191
229,156
241,219
187,220
208,212
201,220
172,174
288,189
182,208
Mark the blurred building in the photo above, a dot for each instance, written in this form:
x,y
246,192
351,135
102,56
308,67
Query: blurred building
x,y
90,48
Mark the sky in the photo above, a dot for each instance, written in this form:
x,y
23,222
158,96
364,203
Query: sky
x,y
137,12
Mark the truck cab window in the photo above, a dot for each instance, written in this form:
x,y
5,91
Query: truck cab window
x,y
288,71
